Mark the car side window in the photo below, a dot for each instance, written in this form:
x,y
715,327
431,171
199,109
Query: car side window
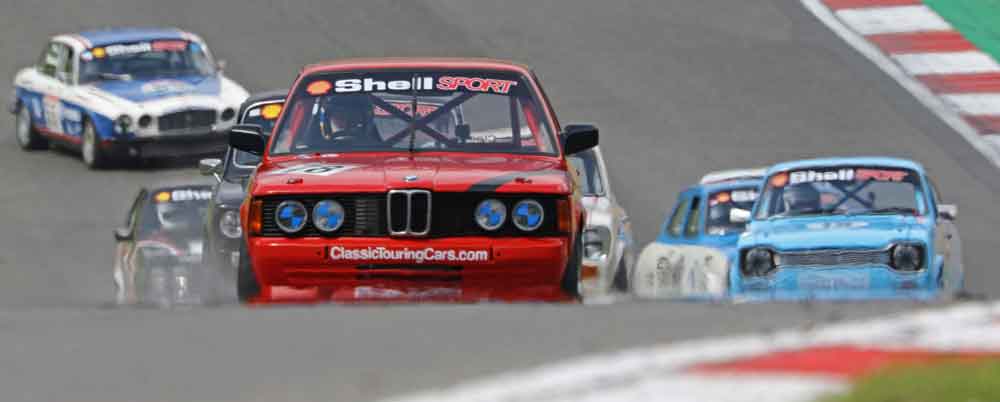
x,y
693,219
934,194
48,63
66,72
677,218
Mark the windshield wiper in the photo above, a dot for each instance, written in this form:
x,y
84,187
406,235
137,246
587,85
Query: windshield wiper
x,y
116,77
810,212
893,210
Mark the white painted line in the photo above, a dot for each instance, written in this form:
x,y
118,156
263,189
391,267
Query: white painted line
x,y
975,104
880,20
947,63
657,373
917,89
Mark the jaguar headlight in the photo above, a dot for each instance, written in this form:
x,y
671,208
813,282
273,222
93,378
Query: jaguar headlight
x,y
328,216
907,257
229,224
123,124
290,216
528,215
757,262
596,241
490,214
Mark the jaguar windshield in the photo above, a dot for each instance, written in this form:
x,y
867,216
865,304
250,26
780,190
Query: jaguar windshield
x,y
145,59
842,191
465,111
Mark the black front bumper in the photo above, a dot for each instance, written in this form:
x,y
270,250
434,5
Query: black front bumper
x,y
211,143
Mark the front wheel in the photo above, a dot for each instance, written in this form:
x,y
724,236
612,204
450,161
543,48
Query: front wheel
x,y
27,138
571,277
247,287
90,150
620,282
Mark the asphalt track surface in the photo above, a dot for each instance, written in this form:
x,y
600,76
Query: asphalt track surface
x,y
677,87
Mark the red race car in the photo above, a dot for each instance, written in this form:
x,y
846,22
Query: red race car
x,y
426,179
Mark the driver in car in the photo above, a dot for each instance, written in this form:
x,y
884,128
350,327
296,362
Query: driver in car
x,y
345,121
801,198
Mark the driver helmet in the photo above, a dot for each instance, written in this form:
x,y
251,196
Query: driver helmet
x,y
348,112
801,197
172,216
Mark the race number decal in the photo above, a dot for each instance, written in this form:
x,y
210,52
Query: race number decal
x,y
53,113
316,169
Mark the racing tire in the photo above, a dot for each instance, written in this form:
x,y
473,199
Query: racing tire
x,y
27,137
90,151
570,283
620,282
247,287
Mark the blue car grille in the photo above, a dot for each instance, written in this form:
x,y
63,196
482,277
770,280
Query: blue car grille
x,y
834,258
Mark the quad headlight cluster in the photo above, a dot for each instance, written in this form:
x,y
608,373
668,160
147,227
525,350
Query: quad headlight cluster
x,y
327,216
527,214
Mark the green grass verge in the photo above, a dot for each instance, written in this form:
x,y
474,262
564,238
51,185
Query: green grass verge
x,y
977,381
977,20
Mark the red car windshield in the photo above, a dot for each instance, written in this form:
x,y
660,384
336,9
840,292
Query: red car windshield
x,y
467,111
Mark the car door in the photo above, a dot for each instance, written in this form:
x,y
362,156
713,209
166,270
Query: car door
x,y
55,69
947,244
125,249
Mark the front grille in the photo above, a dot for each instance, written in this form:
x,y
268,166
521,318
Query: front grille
x,y
451,214
187,120
364,215
409,212
834,258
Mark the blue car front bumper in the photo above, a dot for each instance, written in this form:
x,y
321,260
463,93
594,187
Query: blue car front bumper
x,y
837,283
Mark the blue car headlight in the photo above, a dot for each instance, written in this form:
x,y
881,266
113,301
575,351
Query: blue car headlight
x,y
757,262
490,214
328,216
528,215
290,216
907,257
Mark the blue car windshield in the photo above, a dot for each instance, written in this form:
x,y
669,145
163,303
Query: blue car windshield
x,y
144,59
721,203
842,191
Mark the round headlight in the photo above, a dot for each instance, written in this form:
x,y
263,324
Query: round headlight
x,y
228,114
595,242
123,123
490,214
145,121
290,216
229,224
528,215
758,262
328,215
906,257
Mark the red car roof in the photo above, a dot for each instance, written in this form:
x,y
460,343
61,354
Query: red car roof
x,y
386,63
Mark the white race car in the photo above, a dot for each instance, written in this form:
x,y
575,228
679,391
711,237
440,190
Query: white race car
x,y
125,92
608,245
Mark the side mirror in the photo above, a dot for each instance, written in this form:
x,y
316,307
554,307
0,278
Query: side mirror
x,y
220,65
948,211
737,215
209,166
577,138
248,138
123,234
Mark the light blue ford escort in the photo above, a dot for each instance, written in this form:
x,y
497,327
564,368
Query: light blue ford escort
x,y
847,228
